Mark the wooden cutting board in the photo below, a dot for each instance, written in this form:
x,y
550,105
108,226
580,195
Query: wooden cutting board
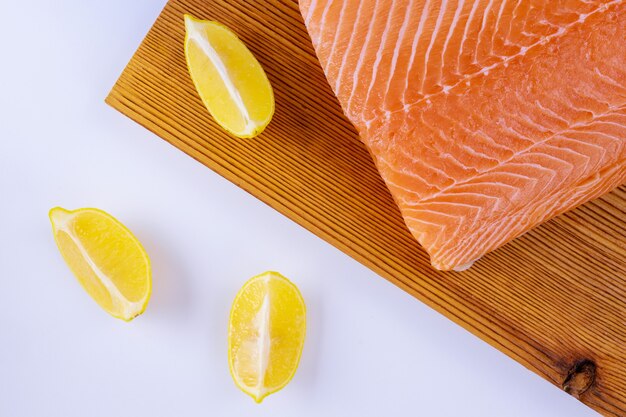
x,y
553,300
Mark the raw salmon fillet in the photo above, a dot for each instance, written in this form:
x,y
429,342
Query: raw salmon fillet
x,y
484,117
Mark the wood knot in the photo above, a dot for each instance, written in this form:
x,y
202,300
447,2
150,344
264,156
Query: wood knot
x,y
580,377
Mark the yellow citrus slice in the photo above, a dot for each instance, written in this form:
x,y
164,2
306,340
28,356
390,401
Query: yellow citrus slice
x,y
107,259
266,334
228,78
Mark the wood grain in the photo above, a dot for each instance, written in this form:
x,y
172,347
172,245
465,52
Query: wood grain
x,y
554,299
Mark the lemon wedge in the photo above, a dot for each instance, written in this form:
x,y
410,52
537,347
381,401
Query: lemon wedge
x,y
266,334
107,259
228,78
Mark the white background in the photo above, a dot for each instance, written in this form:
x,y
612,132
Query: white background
x,y
371,349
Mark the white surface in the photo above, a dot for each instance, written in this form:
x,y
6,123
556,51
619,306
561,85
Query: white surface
x,y
371,349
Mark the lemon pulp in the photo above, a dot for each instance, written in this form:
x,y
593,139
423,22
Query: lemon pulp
x,y
108,261
266,334
228,78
